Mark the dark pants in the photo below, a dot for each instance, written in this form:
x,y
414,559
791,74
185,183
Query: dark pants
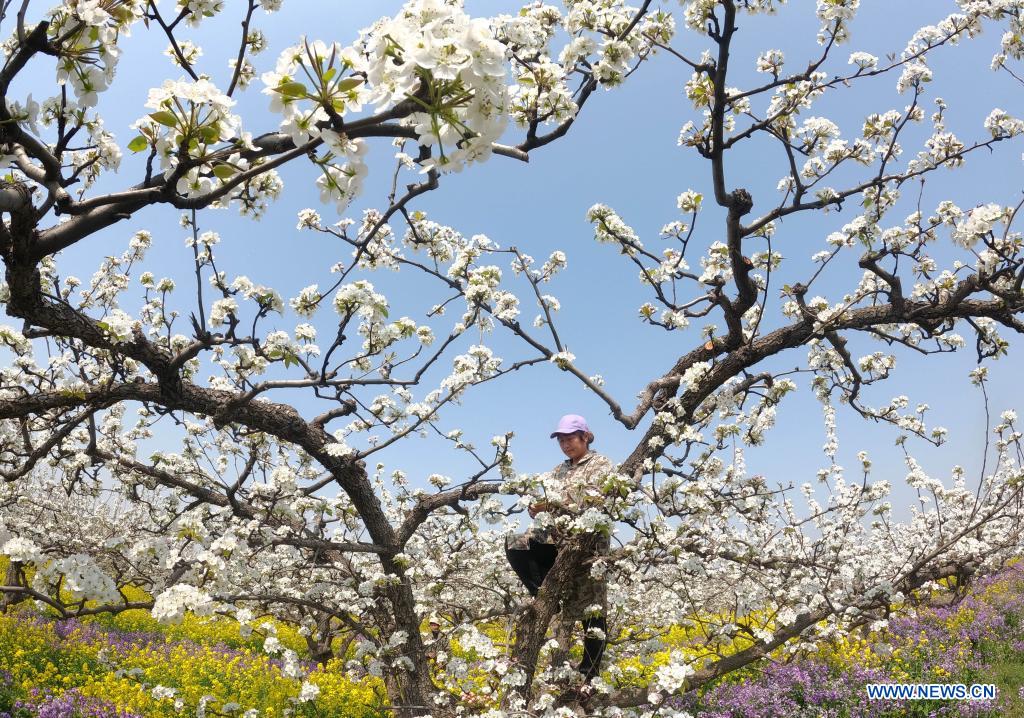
x,y
531,565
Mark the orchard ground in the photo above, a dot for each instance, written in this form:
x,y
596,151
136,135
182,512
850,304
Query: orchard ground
x,y
130,666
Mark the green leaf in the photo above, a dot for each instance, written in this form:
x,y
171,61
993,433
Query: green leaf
x,y
138,144
164,117
292,89
210,133
223,171
331,72
349,83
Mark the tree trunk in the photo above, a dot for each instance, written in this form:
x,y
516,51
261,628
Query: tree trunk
x,y
12,578
532,623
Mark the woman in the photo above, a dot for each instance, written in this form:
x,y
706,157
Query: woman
x,y
571,488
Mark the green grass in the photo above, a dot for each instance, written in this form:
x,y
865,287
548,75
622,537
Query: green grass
x,y
1008,675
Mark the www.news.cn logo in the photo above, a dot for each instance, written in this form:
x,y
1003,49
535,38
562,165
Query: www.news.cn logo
x,y
931,691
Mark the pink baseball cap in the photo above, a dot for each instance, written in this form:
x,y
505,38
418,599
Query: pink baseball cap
x,y
570,424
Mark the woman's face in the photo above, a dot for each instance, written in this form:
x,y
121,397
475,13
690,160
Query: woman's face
x,y
573,445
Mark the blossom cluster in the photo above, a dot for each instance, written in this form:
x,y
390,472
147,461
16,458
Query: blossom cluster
x,y
197,116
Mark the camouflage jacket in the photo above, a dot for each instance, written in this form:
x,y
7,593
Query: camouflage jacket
x,y
573,489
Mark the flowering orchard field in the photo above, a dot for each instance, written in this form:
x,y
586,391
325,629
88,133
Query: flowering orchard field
x,y
291,299
976,640
130,666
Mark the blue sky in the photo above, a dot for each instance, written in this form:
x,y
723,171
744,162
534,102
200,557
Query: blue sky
x,y
622,152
